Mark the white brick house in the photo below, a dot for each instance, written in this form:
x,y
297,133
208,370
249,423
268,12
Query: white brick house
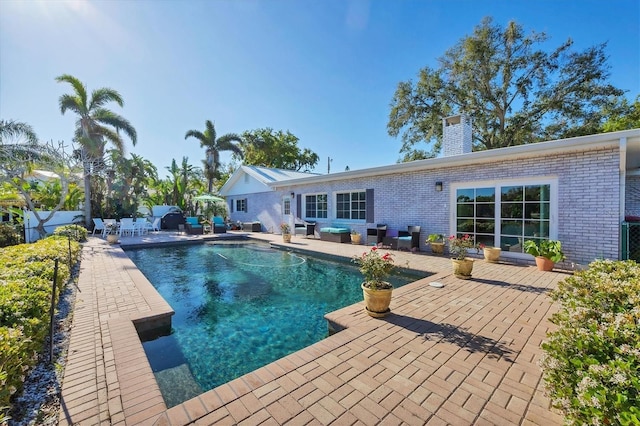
x,y
575,190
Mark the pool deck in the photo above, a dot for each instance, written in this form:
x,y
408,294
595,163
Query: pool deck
x,y
463,354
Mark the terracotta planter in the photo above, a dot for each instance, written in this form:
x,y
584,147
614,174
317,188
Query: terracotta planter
x,y
491,254
286,238
544,264
462,268
437,248
377,301
356,238
112,238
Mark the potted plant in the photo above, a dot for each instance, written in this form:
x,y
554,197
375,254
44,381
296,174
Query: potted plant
x,y
459,247
286,232
376,291
436,241
546,252
491,254
355,237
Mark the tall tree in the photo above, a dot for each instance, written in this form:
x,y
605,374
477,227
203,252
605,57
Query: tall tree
x,y
515,92
213,146
264,147
622,115
96,126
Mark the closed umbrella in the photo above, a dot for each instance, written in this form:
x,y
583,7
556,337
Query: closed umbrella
x,y
209,198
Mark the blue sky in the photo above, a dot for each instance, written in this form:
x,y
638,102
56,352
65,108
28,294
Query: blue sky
x,y
325,70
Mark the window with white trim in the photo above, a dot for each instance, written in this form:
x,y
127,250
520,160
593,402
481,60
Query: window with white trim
x,y
286,206
504,215
315,206
351,205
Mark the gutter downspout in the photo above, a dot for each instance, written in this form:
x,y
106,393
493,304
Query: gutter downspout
x,y
623,193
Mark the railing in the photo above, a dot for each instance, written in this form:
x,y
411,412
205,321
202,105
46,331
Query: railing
x,y
630,244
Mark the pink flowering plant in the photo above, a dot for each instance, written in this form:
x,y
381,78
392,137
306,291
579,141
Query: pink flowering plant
x,y
460,246
376,268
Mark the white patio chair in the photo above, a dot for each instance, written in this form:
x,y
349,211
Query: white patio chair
x,y
98,225
153,226
140,226
127,227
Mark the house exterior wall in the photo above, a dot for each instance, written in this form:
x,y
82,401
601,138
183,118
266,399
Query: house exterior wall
x,y
587,203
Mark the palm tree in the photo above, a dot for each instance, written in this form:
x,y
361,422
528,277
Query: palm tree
x,y
213,147
16,129
95,127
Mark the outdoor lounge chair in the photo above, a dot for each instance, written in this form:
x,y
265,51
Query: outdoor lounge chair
x,y
193,227
409,239
219,227
98,225
305,228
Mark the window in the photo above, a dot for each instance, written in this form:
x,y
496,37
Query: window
x,y
241,205
504,215
351,205
286,206
315,206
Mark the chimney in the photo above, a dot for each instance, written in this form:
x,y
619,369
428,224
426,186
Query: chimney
x,y
456,135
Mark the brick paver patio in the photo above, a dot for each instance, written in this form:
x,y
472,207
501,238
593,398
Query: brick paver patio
x,y
463,354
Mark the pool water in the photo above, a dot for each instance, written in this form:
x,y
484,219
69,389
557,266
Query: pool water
x,y
238,307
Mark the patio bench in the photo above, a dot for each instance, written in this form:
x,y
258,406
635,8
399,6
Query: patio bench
x,y
335,234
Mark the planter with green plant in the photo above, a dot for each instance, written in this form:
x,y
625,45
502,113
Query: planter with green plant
x,y
376,291
436,242
459,248
286,232
355,237
546,252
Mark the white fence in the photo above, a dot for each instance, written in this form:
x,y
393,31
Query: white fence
x,y
59,218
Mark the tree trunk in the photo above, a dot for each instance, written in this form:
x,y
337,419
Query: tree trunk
x,y
87,193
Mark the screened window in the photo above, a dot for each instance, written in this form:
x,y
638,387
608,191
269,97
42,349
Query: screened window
x,y
504,215
351,205
316,206
286,206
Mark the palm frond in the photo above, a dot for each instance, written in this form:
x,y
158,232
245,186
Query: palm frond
x,y
104,95
16,129
120,123
77,85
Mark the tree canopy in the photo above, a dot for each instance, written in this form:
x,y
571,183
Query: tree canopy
x,y
267,148
514,91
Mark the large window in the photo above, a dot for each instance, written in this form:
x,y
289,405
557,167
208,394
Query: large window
x,y
241,205
351,205
286,206
316,206
504,215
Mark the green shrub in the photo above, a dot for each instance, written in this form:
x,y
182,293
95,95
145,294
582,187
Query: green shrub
x,y
25,298
76,232
592,361
9,235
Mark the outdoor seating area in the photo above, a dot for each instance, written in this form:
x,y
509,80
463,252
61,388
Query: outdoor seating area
x,y
125,227
305,228
192,226
252,226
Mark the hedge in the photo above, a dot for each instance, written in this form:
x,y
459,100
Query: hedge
x,y
592,361
25,299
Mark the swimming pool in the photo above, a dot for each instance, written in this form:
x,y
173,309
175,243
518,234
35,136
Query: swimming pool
x,y
239,306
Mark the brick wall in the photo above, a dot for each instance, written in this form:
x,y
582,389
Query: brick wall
x,y
588,199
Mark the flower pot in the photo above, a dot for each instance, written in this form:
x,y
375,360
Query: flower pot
x,y
355,238
544,264
491,254
112,238
462,268
286,238
437,248
377,301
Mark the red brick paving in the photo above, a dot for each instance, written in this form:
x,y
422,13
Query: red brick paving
x,y
463,354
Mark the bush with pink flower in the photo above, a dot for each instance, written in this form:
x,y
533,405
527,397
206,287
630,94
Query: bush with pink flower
x,y
375,268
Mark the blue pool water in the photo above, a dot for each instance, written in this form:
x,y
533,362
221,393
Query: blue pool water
x,y
238,307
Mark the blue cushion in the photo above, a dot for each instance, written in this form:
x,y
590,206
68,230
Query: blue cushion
x,y
405,238
192,220
218,220
332,230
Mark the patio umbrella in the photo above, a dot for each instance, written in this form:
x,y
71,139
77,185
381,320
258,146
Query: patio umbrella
x,y
209,198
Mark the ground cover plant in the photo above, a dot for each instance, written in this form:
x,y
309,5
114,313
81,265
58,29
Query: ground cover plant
x,y
592,361
25,298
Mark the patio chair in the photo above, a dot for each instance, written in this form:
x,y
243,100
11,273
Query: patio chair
x,y
127,226
98,225
409,239
193,227
305,228
153,226
140,226
219,227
